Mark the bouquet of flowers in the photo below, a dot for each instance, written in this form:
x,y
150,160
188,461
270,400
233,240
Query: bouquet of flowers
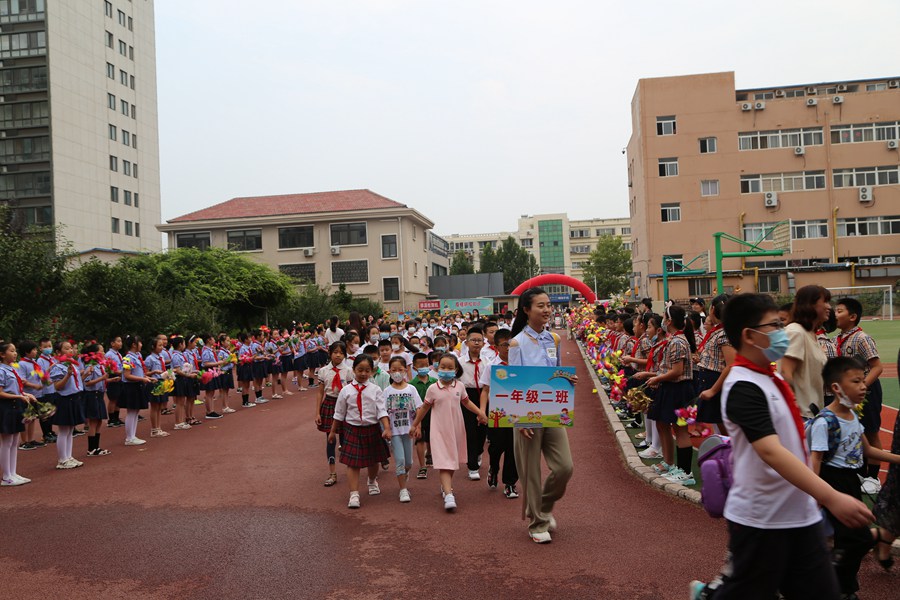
x,y
93,359
686,416
38,411
637,399
164,386
208,375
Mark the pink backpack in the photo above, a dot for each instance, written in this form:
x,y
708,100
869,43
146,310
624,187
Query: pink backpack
x,y
716,467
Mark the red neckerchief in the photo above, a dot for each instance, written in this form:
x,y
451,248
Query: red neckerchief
x,y
707,336
140,360
786,392
194,359
71,361
162,361
634,348
336,382
820,331
18,380
477,361
843,337
359,392
662,347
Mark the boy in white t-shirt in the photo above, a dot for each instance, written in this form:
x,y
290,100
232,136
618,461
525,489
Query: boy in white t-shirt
x,y
775,529
401,401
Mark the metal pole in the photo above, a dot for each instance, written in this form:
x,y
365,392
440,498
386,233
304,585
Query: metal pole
x,y
720,285
665,280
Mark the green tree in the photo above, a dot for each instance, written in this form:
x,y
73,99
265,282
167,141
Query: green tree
x,y
608,267
516,263
461,264
488,260
31,272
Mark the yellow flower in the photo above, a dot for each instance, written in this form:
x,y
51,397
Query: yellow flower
x,y
15,365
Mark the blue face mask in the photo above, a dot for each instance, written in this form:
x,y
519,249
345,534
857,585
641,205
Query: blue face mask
x,y
778,344
424,371
447,375
47,351
384,335
653,339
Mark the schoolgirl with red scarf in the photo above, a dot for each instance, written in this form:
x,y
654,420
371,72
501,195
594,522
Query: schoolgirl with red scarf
x,y
13,398
135,395
714,357
332,379
66,378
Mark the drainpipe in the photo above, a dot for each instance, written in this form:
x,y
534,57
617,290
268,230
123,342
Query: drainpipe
x,y
401,259
834,237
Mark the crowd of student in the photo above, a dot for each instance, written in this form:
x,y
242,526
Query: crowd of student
x,y
803,412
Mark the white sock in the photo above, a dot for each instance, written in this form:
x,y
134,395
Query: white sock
x,y
5,452
65,433
131,421
13,459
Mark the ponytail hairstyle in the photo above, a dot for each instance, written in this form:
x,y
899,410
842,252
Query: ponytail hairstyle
x,y
332,323
678,317
243,337
177,343
131,341
525,301
717,306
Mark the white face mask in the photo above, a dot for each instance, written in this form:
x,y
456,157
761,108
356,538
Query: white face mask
x,y
395,347
397,377
843,399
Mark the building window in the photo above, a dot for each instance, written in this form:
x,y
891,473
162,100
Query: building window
x,y
113,163
783,182
134,169
864,132
769,284
131,57
665,125
126,167
111,101
131,81
113,193
671,212
602,231
699,287
130,24
389,246
245,240
801,230
109,39
348,234
527,243
115,225
580,249
123,48
860,226
579,233
674,263
134,141
24,114
126,137
108,8
192,240
708,145
137,203
757,232
781,138
626,231
25,149
438,270
129,229
123,77
137,229
111,70
861,176
876,87
121,18
127,197
302,273
668,167
15,45
133,111
391,289
296,237
350,271
25,185
626,245
112,132
38,216
709,187
124,108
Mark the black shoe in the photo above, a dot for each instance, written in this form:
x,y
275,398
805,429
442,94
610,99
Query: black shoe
x,y
38,444
115,424
50,439
510,492
140,418
492,480
213,415
78,433
27,446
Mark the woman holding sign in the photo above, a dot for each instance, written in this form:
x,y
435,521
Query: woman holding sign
x,y
533,346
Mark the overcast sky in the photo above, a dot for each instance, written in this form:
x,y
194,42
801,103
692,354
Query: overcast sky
x,y
472,112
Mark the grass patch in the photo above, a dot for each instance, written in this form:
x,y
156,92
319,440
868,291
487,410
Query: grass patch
x,y
887,337
891,392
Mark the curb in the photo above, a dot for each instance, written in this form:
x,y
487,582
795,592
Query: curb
x,y
629,452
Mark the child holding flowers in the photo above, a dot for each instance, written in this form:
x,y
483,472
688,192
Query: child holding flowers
x,y
135,394
69,411
32,380
184,375
94,376
226,379
12,404
157,371
209,382
245,369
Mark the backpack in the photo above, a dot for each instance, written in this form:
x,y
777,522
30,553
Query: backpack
x,y
834,433
716,471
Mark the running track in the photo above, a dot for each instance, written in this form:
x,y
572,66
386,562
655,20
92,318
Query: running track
x,y
236,509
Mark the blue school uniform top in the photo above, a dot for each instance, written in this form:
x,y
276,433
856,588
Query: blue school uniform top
x,y
221,355
534,349
166,356
299,349
193,357
245,350
94,372
27,373
114,356
154,362
208,355
8,380
46,363
74,385
271,348
178,360
311,345
256,349
137,364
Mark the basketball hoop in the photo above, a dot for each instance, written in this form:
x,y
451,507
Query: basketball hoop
x,y
781,236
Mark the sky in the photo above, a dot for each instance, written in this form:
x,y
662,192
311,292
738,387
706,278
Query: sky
x,y
471,112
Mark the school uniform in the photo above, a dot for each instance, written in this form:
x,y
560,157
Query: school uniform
x,y
114,385
359,408
259,362
709,369
476,434
94,406
226,379
859,344
245,364
207,359
300,359
181,365
69,410
11,411
155,362
501,438
193,356
285,357
271,351
332,381
135,395
672,395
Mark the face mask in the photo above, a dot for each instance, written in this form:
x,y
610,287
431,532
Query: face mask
x,y
653,339
440,349
411,329
416,346
843,399
397,377
778,345
47,351
446,375
354,347
384,335
423,371
373,340
395,347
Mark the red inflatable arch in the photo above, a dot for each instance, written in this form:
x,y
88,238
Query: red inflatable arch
x,y
557,279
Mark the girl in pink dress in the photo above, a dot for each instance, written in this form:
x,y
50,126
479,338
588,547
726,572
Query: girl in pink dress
x,y
448,434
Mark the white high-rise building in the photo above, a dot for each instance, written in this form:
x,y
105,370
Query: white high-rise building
x,y
79,144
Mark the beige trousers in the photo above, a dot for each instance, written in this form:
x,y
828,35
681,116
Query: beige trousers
x,y
553,443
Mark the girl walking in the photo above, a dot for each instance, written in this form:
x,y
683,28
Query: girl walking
x,y
401,401
332,377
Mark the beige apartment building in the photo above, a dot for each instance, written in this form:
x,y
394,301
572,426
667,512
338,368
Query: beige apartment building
x,y
78,121
559,245
377,247
705,158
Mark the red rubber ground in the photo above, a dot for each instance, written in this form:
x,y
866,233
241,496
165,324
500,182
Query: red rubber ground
x,y
235,508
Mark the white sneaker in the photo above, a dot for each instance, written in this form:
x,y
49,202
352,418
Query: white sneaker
x,y
672,473
374,490
552,526
541,538
474,476
11,482
649,453
261,400
682,478
479,462
871,486
354,500
182,426
64,464
74,461
20,478
404,495
135,442
449,502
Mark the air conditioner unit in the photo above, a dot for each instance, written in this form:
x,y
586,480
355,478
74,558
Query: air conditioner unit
x,y
746,106
842,88
760,106
838,100
779,93
892,144
811,91
770,199
876,260
811,101
335,250
308,252
864,261
890,260
865,194
799,151
893,83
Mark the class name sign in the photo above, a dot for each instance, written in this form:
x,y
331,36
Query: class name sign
x,y
531,397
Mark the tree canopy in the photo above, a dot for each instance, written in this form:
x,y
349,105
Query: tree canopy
x,y
608,267
461,264
515,262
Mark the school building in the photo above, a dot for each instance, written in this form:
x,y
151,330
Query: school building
x,y
821,158
78,122
376,247
559,245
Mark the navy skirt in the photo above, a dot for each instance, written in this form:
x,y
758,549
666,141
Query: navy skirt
x,y
226,380
94,406
114,390
69,410
708,411
287,363
182,386
11,412
669,397
260,370
300,363
271,367
161,399
135,396
211,385
245,372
